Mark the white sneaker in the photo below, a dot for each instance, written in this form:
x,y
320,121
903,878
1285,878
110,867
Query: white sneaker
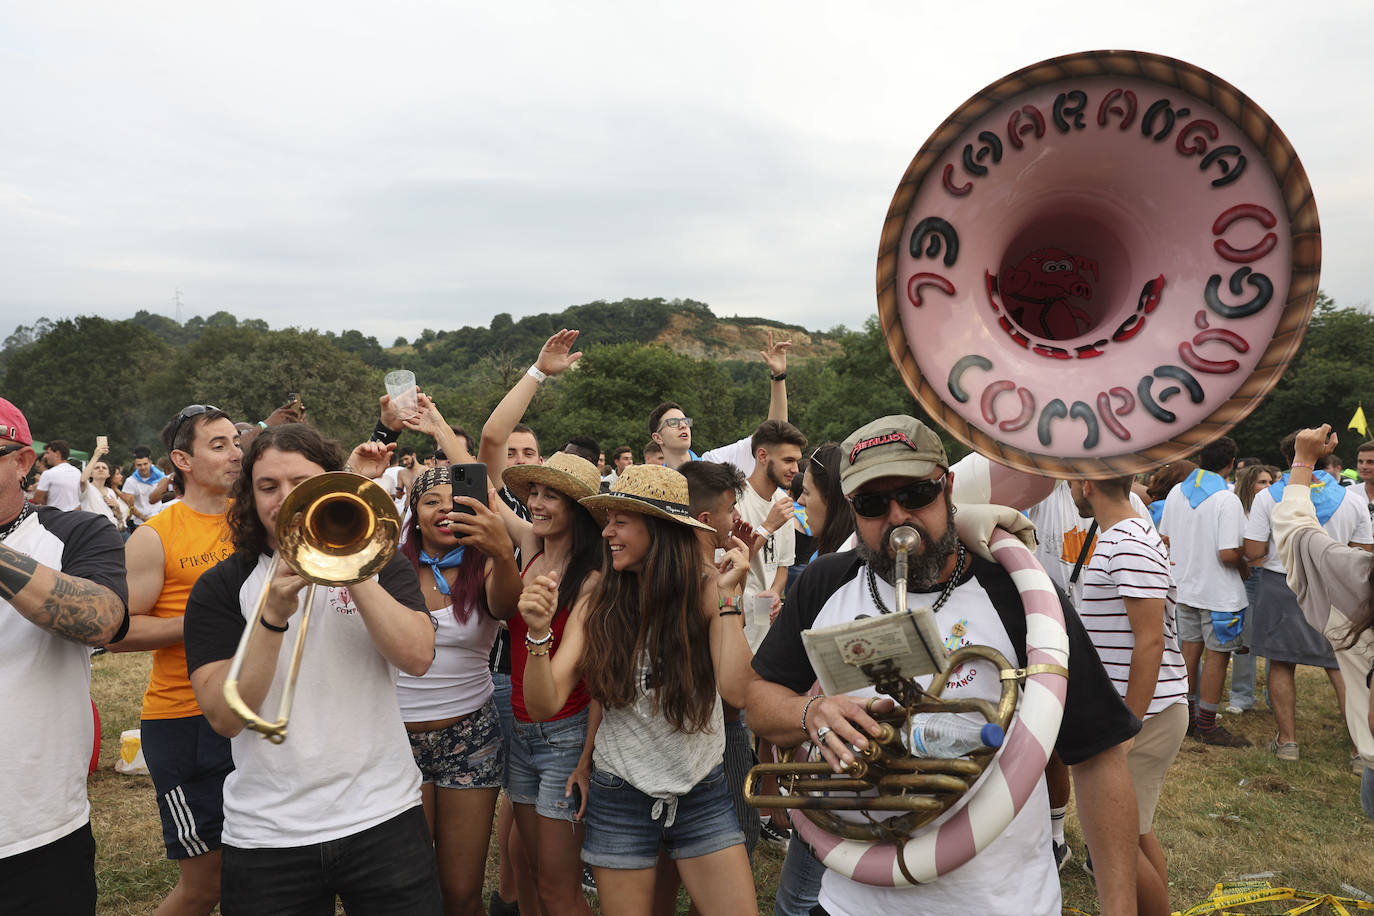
x,y
1234,710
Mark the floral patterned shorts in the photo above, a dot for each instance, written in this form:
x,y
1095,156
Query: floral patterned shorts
x,y
469,754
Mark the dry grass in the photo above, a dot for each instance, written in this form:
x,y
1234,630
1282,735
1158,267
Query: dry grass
x,y
1224,812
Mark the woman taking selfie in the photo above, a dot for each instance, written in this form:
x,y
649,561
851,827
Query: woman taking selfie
x,y
462,554
659,652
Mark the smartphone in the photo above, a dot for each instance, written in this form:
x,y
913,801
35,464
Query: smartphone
x,y
102,442
291,398
575,798
468,480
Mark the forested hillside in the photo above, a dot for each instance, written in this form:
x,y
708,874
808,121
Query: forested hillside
x,y
90,376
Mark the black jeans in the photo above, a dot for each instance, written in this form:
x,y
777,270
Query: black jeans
x,y
56,878
387,869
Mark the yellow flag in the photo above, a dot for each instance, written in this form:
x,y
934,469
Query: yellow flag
x,y
1358,422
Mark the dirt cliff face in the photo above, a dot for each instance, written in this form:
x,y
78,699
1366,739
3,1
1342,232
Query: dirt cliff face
x,y
728,339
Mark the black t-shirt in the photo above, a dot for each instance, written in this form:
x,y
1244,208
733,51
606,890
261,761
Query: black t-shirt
x,y
214,613
1095,717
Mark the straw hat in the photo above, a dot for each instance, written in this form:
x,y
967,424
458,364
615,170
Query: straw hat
x,y
649,489
570,475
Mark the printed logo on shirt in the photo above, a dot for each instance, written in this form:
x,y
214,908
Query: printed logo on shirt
x,y
341,602
963,675
208,558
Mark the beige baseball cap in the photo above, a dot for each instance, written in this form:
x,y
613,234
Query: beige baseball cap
x,y
894,446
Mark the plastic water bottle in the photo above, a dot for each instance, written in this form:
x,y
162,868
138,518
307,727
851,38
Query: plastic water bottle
x,y
942,734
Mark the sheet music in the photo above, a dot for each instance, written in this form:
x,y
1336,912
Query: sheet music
x,y
911,641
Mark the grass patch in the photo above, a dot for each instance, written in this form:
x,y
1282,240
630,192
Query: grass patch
x,y
1224,813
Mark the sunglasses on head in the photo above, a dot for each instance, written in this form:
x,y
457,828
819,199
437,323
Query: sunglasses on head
x,y
916,495
187,413
675,422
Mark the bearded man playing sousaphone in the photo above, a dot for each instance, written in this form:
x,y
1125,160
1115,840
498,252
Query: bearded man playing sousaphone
x,y
894,472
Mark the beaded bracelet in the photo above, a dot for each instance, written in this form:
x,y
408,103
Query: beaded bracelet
x,y
541,641
1302,464
807,708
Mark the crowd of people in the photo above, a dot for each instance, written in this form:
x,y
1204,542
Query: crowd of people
x,y
587,655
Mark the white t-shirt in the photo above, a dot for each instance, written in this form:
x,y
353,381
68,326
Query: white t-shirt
x,y
1349,524
459,680
736,453
778,552
1130,561
1195,536
46,682
968,617
1060,532
63,486
93,500
346,764
139,491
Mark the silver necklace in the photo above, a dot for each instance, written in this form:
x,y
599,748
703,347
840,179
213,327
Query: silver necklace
x,y
944,595
24,513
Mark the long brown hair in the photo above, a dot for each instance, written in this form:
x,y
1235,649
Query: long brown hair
x,y
1245,483
654,614
247,530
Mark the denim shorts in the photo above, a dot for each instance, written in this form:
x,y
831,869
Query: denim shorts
x,y
541,757
469,754
622,831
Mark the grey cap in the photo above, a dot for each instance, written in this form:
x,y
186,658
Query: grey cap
x,y
895,446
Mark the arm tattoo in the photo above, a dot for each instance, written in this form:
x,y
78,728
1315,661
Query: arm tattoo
x,y
75,609
78,609
16,569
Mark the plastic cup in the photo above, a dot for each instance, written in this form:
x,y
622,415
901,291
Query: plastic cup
x,y
760,609
400,387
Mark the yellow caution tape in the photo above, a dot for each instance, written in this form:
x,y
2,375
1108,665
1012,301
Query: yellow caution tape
x,y
1244,893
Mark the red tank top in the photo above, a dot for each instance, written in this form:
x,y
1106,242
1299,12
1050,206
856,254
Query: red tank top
x,y
577,700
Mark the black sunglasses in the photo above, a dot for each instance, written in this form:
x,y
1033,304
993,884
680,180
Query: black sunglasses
x,y
10,449
194,410
916,495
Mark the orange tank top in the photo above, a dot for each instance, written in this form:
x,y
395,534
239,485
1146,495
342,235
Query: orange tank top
x,y
191,543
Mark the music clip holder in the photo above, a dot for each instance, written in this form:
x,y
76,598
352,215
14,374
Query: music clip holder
x,y
848,656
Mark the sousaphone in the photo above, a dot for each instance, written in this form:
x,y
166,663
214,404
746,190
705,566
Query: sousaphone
x,y
1094,266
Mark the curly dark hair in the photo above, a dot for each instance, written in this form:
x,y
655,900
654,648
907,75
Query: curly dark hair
x,y
245,528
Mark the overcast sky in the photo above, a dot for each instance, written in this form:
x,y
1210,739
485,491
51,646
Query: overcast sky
x,y
395,166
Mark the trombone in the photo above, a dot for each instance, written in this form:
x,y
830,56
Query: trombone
x,y
334,529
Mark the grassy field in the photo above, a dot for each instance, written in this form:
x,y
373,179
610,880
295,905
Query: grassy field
x,y
1224,813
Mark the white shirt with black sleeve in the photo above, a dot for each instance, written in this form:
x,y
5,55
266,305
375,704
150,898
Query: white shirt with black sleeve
x,y
46,682
346,764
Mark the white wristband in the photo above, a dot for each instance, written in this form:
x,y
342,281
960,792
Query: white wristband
x,y
534,373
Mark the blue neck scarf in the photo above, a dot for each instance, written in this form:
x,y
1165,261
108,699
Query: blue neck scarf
x,y
1327,494
1157,511
1197,487
447,561
154,475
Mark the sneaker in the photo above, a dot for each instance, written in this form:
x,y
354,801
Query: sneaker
x,y
1234,710
1288,750
1063,853
588,880
1220,737
1088,866
773,835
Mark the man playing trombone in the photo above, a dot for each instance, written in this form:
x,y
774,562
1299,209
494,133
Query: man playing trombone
x,y
335,808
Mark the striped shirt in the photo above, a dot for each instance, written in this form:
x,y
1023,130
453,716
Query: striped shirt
x,y
1131,562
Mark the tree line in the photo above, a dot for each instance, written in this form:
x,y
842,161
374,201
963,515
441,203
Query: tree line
x,y
87,376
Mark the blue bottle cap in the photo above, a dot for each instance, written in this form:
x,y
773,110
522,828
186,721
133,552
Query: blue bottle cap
x,y
992,735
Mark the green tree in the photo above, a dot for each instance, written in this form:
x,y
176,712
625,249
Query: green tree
x,y
1324,383
88,377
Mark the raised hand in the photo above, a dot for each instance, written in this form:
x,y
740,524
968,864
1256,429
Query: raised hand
x,y
1313,444
427,419
557,354
775,355
734,565
779,514
483,529
538,600
370,459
